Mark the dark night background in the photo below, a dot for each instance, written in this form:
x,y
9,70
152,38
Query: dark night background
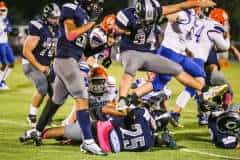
x,y
21,11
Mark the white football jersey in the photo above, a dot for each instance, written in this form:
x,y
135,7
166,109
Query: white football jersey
x,y
97,37
3,32
206,35
176,33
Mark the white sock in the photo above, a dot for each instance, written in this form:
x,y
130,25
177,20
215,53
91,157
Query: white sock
x,y
88,141
33,110
1,75
8,72
183,99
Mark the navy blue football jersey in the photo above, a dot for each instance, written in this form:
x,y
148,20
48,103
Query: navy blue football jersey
x,y
219,139
46,48
75,48
141,37
137,135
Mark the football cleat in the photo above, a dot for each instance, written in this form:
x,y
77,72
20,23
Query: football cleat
x,y
36,137
214,91
32,120
26,136
174,119
3,86
168,140
91,147
31,134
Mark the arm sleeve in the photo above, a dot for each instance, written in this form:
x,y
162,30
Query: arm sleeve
x,y
183,17
9,26
34,28
219,41
123,21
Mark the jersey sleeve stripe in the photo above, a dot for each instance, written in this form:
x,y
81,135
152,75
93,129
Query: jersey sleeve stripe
x,y
122,18
36,24
70,5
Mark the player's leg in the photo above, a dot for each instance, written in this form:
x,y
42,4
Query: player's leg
x,y
60,94
71,118
40,82
132,61
53,133
195,67
71,131
4,67
162,65
10,59
69,72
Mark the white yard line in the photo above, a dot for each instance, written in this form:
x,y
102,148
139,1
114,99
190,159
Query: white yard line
x,y
11,122
209,154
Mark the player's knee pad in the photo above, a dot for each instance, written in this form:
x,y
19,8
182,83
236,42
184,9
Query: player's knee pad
x,y
217,78
58,99
42,86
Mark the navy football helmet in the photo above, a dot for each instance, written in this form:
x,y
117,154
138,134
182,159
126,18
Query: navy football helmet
x,y
51,10
51,14
229,123
149,11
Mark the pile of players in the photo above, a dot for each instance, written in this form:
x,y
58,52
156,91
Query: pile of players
x,y
61,54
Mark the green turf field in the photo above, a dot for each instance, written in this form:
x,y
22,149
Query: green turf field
x,y
193,141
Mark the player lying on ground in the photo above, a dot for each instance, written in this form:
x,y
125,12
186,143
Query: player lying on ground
x,y
135,132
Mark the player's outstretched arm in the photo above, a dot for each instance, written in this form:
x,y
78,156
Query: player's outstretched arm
x,y
110,109
72,31
170,9
235,52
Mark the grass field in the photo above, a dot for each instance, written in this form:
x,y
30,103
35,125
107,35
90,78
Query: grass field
x,y
193,140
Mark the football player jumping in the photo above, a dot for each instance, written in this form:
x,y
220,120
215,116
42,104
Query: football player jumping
x,y
134,24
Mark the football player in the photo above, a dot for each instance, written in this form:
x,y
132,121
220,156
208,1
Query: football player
x,y
136,25
6,52
207,34
102,91
38,53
